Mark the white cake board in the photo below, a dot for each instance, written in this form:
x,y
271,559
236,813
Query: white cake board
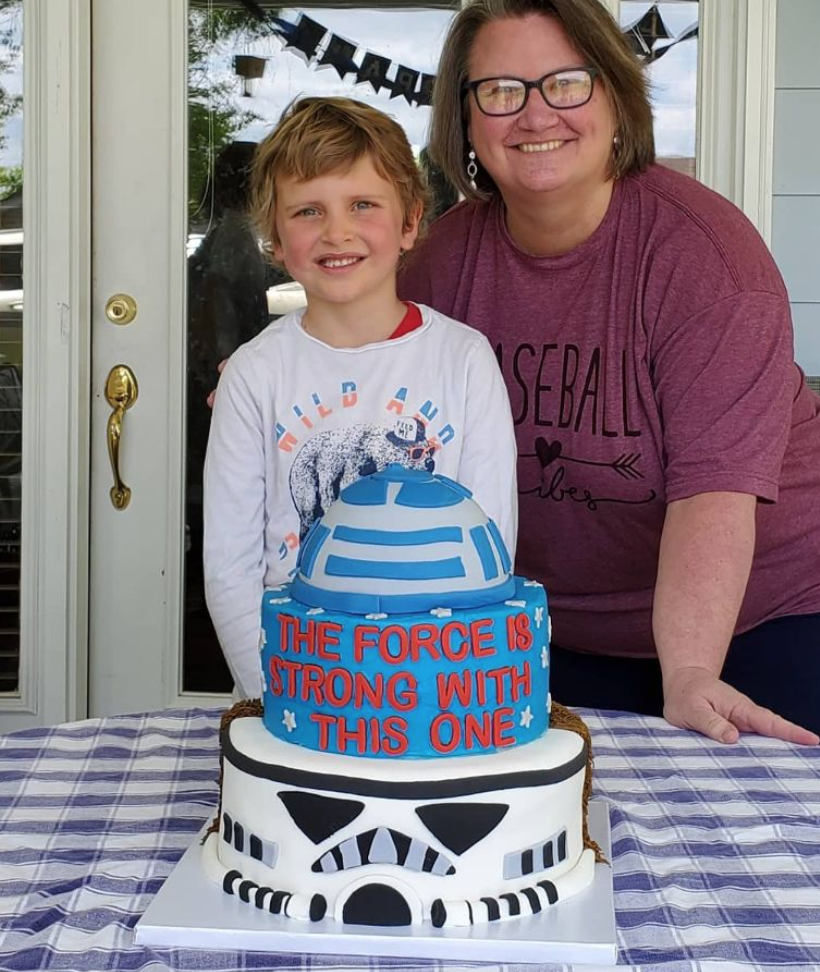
x,y
190,911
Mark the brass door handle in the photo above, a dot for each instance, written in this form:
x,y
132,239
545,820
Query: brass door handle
x,y
121,392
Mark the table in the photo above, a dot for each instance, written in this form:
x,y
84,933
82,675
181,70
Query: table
x,y
716,849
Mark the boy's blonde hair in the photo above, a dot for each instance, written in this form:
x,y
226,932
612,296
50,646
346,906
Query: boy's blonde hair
x,y
317,136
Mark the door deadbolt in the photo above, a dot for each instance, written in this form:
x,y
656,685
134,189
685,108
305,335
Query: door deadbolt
x,y
121,309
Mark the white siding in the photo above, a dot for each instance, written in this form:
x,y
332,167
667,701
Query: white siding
x,y
796,177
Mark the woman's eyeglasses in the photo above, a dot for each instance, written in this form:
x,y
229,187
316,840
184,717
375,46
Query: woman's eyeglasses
x,y
568,88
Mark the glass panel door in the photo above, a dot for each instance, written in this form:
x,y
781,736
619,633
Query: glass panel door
x,y
247,62
11,337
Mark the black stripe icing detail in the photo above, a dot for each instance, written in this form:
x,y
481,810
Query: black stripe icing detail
x,y
532,896
277,901
245,889
402,844
513,902
239,837
493,911
526,862
256,847
228,881
365,842
227,832
318,907
412,790
438,913
430,858
549,887
547,855
260,896
562,845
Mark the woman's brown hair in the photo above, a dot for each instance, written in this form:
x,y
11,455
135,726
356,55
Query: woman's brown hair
x,y
600,43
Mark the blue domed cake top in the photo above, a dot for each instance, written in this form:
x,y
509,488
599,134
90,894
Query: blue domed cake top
x,y
399,541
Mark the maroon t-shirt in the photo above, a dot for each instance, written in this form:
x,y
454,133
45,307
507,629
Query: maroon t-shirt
x,y
651,363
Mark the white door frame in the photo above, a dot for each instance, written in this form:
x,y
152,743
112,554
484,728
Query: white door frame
x,y
56,206
736,128
140,228
735,147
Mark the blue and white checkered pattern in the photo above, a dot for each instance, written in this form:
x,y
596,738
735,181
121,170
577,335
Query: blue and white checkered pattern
x,y
716,849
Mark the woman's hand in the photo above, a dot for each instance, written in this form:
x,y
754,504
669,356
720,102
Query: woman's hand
x,y
695,698
705,558
212,395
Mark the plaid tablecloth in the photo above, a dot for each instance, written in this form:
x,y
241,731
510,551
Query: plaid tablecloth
x,y
716,849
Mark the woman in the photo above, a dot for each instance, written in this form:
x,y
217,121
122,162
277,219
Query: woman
x,y
669,449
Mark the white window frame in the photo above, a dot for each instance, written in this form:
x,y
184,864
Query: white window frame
x,y
54,517
736,91
735,117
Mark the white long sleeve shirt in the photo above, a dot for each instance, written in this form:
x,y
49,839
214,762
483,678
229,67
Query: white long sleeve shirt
x,y
295,421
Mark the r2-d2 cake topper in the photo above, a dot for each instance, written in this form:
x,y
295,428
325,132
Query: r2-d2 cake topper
x,y
403,540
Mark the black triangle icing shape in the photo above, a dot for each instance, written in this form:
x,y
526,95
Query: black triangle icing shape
x,y
319,817
459,826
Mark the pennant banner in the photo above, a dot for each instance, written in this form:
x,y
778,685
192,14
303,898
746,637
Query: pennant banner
x,y
652,27
305,38
425,95
374,71
339,55
648,36
405,83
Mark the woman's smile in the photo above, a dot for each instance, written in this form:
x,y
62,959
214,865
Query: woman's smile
x,y
540,146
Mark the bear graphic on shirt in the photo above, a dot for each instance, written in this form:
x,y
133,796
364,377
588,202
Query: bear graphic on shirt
x,y
331,460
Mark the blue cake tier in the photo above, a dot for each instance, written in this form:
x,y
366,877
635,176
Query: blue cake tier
x,y
446,681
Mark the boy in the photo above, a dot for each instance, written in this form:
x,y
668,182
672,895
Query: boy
x,y
354,382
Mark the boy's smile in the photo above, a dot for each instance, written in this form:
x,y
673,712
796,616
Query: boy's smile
x,y
340,235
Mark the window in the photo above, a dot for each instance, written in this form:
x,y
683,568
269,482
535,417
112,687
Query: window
x,y
665,35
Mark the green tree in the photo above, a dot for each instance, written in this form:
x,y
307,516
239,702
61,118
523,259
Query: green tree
x,y
11,179
11,44
214,117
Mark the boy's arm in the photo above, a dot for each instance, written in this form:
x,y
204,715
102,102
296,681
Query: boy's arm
x,y
234,539
488,457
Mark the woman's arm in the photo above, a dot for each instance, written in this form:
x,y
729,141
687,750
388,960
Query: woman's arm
x,y
706,554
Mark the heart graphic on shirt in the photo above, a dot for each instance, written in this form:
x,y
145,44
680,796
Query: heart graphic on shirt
x,y
547,452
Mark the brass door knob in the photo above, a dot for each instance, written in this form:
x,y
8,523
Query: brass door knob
x,y
121,392
121,309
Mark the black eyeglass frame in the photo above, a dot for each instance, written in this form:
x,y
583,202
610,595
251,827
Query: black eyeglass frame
x,y
528,86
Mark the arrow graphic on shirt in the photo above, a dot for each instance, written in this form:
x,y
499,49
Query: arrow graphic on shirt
x,y
623,465
552,485
547,452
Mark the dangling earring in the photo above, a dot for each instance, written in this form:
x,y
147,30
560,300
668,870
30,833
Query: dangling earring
x,y
472,169
616,146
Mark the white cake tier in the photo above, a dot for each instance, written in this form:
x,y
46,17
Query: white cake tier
x,y
375,842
